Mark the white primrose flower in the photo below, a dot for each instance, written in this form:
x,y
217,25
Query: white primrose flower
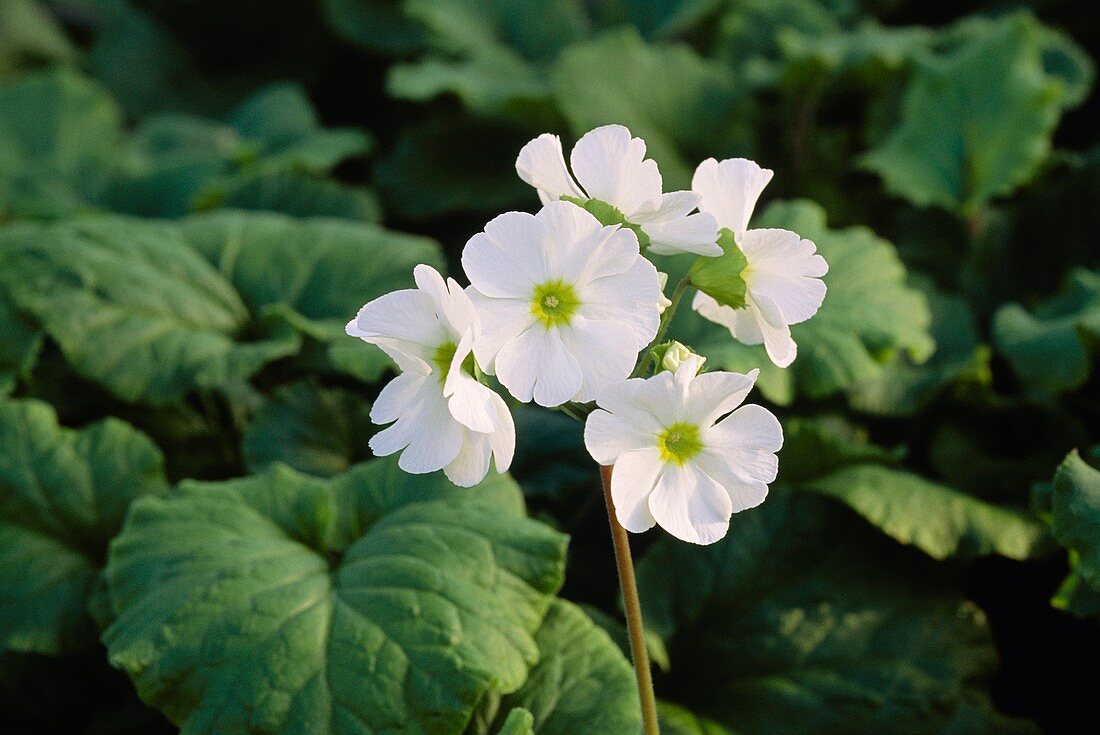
x,y
611,168
783,275
565,303
677,461
443,418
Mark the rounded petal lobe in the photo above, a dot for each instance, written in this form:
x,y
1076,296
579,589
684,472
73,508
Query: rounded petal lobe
x,y
632,480
541,164
691,505
612,167
729,190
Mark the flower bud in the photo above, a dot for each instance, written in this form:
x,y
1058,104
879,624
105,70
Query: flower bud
x,y
675,354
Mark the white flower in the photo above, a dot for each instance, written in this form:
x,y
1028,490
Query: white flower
x,y
610,166
443,418
783,275
565,303
677,462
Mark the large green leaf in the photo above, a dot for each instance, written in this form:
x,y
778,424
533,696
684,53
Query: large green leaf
x,y
63,496
903,387
685,107
374,602
59,143
869,317
1067,326
939,520
132,307
319,431
316,273
976,124
802,620
294,193
1075,516
581,683
813,448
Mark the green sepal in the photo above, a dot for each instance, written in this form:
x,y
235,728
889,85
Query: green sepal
x,y
721,277
608,215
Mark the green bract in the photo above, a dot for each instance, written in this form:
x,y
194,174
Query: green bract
x,y
63,496
720,277
367,603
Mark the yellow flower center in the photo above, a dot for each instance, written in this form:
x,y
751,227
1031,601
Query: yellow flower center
x,y
553,303
680,442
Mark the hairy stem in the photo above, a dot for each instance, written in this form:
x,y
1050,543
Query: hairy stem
x,y
633,609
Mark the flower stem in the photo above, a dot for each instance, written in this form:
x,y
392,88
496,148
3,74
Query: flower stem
x,y
662,329
633,608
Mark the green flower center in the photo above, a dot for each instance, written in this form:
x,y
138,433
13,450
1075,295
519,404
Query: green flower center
x,y
442,360
553,303
680,442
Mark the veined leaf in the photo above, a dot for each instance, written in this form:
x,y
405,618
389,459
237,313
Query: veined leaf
x,y
63,495
581,683
818,626
133,307
373,602
1075,516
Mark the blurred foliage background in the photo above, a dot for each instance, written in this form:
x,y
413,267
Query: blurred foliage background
x,y
195,195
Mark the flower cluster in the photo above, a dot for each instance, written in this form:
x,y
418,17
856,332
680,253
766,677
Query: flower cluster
x,y
565,309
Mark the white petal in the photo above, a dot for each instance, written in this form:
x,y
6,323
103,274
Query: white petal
x,y
613,252
729,190
506,260
787,270
541,164
749,427
469,402
690,505
648,402
607,436
632,297
568,237
742,323
407,315
744,492
632,480
777,334
712,395
436,442
672,230
612,167
501,321
536,365
503,440
398,398
604,350
471,464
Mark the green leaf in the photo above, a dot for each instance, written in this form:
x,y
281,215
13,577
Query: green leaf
x,y
675,720
357,605
1075,595
314,273
20,342
581,683
293,193
1067,326
976,124
519,722
315,430
904,387
720,277
132,307
869,317
655,18
685,107
376,25
59,142
281,121
533,29
63,496
495,82
939,520
1075,517
818,625
815,447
